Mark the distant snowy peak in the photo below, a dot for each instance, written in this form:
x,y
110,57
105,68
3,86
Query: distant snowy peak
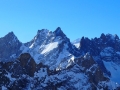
x,y
77,42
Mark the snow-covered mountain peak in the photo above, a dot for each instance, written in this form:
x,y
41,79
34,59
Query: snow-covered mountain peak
x,y
51,48
40,38
43,31
76,41
47,36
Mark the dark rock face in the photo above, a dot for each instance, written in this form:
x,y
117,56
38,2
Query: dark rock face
x,y
59,32
15,74
91,69
27,62
94,46
106,48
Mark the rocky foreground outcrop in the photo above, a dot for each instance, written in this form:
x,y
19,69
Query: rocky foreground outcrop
x,y
24,73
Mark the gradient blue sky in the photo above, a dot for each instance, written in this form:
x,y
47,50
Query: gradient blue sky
x,y
77,18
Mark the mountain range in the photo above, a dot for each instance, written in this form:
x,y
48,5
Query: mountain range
x,y
50,61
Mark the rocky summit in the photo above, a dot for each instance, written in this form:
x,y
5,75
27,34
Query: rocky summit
x,y
50,61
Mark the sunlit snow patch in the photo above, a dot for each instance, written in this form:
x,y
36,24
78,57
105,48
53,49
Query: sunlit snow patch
x,y
4,88
49,47
114,69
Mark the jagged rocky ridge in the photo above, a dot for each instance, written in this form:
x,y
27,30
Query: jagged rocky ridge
x,y
51,62
106,52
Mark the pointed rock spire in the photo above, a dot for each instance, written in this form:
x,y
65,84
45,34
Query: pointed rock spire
x,y
116,36
59,32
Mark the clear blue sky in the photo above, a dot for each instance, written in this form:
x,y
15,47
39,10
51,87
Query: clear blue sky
x,y
77,18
